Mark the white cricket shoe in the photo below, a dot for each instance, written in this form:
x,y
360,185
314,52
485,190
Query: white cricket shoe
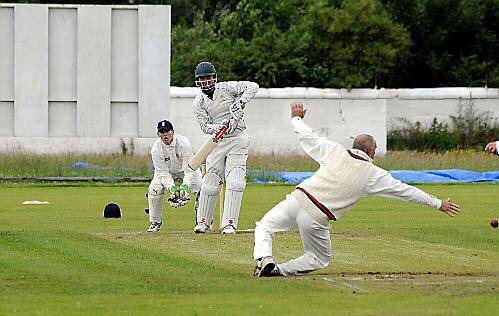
x,y
266,267
229,230
154,227
201,228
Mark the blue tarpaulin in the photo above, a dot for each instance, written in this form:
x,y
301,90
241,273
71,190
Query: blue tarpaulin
x,y
424,176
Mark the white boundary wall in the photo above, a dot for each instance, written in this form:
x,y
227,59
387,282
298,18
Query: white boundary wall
x,y
338,114
80,77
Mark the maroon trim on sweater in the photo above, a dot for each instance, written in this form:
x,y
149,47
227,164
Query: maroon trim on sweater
x,y
356,156
319,205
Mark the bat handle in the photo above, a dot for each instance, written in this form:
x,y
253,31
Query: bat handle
x,y
221,132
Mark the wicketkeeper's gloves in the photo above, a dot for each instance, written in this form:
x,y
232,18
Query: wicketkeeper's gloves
x,y
179,195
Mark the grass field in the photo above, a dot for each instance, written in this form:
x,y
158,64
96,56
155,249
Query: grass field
x,y
390,257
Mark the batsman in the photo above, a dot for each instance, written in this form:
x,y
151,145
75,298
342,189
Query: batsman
x,y
216,106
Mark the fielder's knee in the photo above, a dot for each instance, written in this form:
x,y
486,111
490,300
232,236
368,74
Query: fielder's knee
x,y
211,184
155,190
236,179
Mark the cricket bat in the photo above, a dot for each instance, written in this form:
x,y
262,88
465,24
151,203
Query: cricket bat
x,y
207,148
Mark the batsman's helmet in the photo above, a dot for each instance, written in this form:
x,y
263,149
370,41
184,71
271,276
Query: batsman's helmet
x,y
204,69
112,210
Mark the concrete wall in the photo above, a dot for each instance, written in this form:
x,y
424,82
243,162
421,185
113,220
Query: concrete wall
x,y
72,72
336,114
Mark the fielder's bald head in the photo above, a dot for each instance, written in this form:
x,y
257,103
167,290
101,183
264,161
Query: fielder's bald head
x,y
366,143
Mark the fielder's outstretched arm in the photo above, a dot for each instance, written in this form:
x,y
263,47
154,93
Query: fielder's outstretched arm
x,y
383,184
315,146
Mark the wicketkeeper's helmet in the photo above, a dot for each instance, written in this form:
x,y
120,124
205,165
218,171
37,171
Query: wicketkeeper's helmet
x,y
204,69
112,210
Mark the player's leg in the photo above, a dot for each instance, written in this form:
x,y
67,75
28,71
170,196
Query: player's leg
x,y
154,198
195,190
210,188
280,218
235,182
316,241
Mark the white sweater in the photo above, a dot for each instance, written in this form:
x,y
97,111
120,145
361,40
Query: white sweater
x,y
344,177
172,159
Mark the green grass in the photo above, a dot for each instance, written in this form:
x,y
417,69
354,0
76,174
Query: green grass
x,y
390,257
24,165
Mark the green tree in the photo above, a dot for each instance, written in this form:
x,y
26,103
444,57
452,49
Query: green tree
x,y
455,42
353,45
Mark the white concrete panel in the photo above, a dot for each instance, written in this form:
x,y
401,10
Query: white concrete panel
x,y
6,54
124,55
339,120
6,118
62,119
94,71
154,66
31,70
124,119
62,54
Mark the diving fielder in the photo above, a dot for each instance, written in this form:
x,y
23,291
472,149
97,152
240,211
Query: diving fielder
x,y
170,154
344,176
216,105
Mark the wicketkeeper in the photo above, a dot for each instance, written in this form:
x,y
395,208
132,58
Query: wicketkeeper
x,y
170,154
344,176
219,104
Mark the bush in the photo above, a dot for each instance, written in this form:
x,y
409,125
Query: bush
x,y
469,128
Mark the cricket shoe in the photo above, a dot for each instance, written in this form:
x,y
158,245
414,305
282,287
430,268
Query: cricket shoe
x,y
229,230
154,227
201,228
266,267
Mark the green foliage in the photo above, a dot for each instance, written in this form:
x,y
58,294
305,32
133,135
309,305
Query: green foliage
x,y
290,43
469,128
353,45
455,42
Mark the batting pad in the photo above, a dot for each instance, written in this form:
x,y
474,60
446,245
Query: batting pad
x,y
236,182
155,203
208,198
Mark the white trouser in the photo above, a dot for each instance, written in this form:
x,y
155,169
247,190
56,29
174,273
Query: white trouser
x,y
228,158
231,152
315,237
155,202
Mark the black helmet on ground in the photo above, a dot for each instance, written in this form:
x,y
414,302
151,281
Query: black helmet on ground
x,y
112,210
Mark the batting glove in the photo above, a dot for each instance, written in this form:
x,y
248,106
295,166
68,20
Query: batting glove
x,y
237,108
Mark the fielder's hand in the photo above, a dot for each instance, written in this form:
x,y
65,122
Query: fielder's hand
x,y
297,109
449,208
492,148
